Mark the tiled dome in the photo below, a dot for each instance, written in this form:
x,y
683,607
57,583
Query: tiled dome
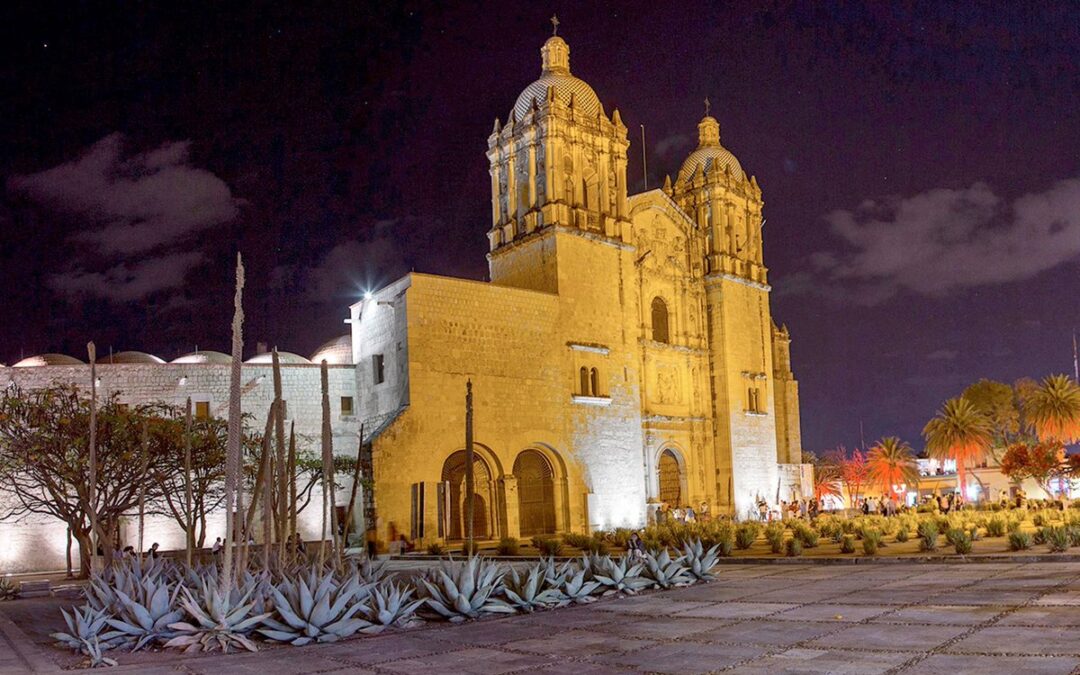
x,y
710,154
556,73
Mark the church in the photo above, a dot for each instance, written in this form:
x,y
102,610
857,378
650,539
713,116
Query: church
x,y
622,356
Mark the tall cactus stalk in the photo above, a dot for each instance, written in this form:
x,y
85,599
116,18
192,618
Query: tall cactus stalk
x,y
354,489
328,462
279,442
144,464
292,487
91,490
189,517
232,456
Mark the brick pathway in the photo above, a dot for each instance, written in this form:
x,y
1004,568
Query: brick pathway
x,y
912,618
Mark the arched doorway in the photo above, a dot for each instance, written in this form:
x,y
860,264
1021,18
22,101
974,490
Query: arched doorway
x,y
536,493
670,475
453,475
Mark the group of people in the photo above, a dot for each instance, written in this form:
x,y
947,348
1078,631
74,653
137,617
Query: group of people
x,y
682,514
885,505
805,509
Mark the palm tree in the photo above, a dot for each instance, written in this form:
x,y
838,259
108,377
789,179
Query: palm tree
x,y
891,462
1053,410
959,432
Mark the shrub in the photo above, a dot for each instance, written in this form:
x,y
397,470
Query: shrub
x,y
746,534
1057,538
902,534
847,543
548,546
435,548
1074,534
577,540
1040,535
1019,541
928,535
1038,520
961,541
507,546
793,548
871,540
995,527
1015,524
806,535
774,534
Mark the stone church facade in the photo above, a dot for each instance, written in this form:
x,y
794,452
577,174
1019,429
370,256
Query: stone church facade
x,y
623,353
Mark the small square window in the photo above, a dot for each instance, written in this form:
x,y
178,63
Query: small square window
x,y
346,405
202,409
378,369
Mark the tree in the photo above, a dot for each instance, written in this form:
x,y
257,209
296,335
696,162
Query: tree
x,y
1053,410
44,467
890,463
1043,462
209,437
826,475
998,403
959,432
853,471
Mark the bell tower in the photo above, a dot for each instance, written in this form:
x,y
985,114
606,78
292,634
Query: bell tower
x,y
557,164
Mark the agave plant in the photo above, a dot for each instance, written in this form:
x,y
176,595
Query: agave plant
x,y
316,609
146,616
8,590
555,574
84,630
620,575
666,572
460,591
95,655
576,588
530,591
372,572
700,562
221,621
388,605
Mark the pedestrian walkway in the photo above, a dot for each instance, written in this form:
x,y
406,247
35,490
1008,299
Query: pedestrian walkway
x,y
912,618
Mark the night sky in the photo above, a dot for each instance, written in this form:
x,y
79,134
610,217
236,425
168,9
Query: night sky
x,y
920,168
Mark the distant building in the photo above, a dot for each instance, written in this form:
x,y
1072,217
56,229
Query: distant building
x,y
623,355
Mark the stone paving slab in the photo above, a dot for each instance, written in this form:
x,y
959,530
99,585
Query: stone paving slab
x,y
1020,640
765,632
480,660
736,610
940,614
951,664
806,660
682,657
915,638
831,613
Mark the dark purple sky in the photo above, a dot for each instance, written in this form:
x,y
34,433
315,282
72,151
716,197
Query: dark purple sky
x,y
920,167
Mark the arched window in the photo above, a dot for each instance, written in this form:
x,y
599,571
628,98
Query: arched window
x,y
594,381
660,320
584,381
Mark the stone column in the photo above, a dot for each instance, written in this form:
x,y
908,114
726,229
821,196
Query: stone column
x,y
510,495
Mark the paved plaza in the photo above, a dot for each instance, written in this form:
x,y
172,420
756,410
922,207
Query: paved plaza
x,y
867,618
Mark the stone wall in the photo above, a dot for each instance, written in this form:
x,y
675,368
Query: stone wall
x,y
37,543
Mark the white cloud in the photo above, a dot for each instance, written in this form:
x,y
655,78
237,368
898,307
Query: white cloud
x,y
138,202
129,282
947,239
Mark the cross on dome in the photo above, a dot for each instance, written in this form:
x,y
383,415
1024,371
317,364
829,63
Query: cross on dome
x,y
554,24
707,106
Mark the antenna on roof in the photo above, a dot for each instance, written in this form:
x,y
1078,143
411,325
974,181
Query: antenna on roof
x,y
644,165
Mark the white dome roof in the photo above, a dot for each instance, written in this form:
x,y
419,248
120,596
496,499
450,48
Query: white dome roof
x,y
283,357
204,357
556,73
131,357
48,360
335,352
710,155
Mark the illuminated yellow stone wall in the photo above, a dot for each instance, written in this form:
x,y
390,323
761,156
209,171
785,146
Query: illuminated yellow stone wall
x,y
577,267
